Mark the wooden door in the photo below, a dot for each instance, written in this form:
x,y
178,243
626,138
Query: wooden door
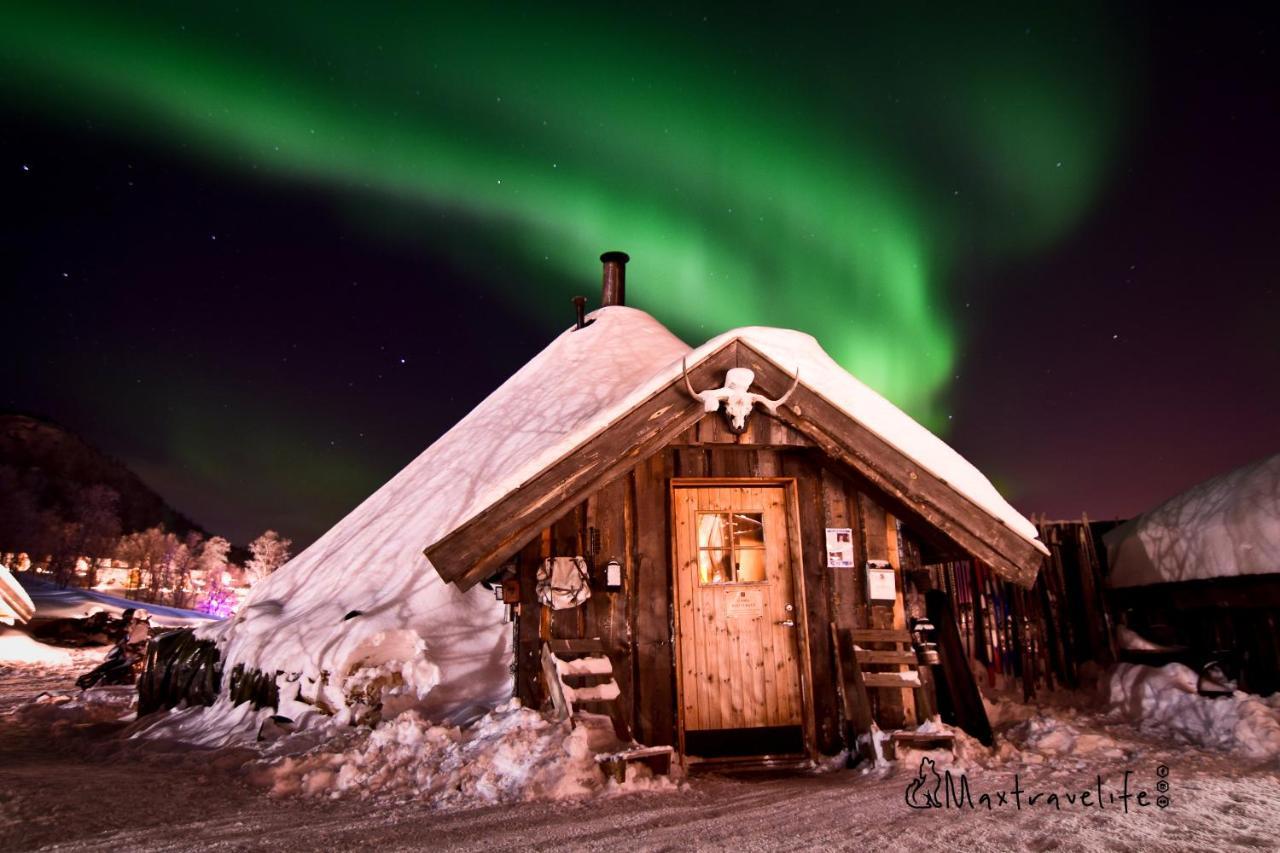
x,y
739,617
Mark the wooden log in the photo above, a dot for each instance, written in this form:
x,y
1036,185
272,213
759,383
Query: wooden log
x,y
654,675
958,695
857,704
828,731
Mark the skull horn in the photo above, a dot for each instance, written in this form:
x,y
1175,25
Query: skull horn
x,y
772,405
684,365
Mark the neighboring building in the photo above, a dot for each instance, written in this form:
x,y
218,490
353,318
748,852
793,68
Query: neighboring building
x,y
1202,570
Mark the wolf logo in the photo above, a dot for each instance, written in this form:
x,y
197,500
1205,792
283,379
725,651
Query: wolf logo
x,y
922,793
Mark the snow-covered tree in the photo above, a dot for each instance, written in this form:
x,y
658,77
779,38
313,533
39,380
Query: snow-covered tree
x,y
218,598
270,551
182,558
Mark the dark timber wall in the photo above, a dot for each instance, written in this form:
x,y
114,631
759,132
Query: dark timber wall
x,y
629,520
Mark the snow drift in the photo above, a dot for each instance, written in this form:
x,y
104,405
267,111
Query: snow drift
x,y
511,754
1164,700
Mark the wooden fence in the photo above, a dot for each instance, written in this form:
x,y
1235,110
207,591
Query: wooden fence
x,y
1036,639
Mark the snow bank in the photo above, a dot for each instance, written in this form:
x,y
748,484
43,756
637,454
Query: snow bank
x,y
1165,700
1224,527
509,755
18,648
368,576
54,602
95,705
1046,735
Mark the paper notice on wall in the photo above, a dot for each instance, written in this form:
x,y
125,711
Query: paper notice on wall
x,y
840,547
744,604
880,583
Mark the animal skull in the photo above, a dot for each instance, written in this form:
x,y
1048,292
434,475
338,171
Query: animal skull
x,y
735,397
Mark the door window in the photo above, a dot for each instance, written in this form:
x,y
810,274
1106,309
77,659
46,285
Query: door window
x,y
731,547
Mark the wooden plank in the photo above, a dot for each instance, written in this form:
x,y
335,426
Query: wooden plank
x,y
827,711
607,612
881,635
890,680
846,595
567,541
882,657
788,637
582,645
654,709
958,697
528,661
857,704
684,511
894,550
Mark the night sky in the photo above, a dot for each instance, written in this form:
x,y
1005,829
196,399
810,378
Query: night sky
x,y
266,257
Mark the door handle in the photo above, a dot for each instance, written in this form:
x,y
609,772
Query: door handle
x,y
786,623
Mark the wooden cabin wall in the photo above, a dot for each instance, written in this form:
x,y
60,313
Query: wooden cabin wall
x,y
632,518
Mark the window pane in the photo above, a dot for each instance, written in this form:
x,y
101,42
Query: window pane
x,y
714,565
748,529
751,565
713,530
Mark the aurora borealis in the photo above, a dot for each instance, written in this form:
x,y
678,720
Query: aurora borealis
x,y
862,175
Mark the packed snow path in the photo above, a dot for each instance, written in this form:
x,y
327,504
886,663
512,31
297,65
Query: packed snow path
x,y
74,787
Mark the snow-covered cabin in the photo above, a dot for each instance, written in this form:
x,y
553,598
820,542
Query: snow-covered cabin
x,y
720,558
1202,569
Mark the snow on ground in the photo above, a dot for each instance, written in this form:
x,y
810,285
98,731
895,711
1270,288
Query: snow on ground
x,y
71,779
54,602
512,754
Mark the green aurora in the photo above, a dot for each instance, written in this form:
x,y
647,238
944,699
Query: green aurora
x,y
829,173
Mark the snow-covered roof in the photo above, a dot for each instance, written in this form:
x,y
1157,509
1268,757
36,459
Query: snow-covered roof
x,y
1224,527
373,562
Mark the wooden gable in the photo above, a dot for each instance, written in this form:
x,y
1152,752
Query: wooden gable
x,y
477,549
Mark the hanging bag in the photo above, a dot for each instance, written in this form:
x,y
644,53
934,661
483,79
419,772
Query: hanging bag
x,y
563,582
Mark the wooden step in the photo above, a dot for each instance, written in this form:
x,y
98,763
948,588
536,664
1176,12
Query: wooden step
x,y
891,679
579,646
866,656
657,758
880,635
579,667
606,692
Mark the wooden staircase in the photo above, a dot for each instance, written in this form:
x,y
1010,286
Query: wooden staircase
x,y
578,673
882,659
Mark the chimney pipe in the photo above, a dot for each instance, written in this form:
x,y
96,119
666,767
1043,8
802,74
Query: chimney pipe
x,y
580,308
614,290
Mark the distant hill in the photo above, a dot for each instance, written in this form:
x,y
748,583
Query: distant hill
x,y
51,465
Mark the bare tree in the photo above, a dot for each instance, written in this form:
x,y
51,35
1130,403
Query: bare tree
x,y
97,512
183,561
269,552
144,551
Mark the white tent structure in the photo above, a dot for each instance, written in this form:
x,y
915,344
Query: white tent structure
x,y
1227,526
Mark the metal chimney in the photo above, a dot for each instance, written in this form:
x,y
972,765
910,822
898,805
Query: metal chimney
x,y
614,289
